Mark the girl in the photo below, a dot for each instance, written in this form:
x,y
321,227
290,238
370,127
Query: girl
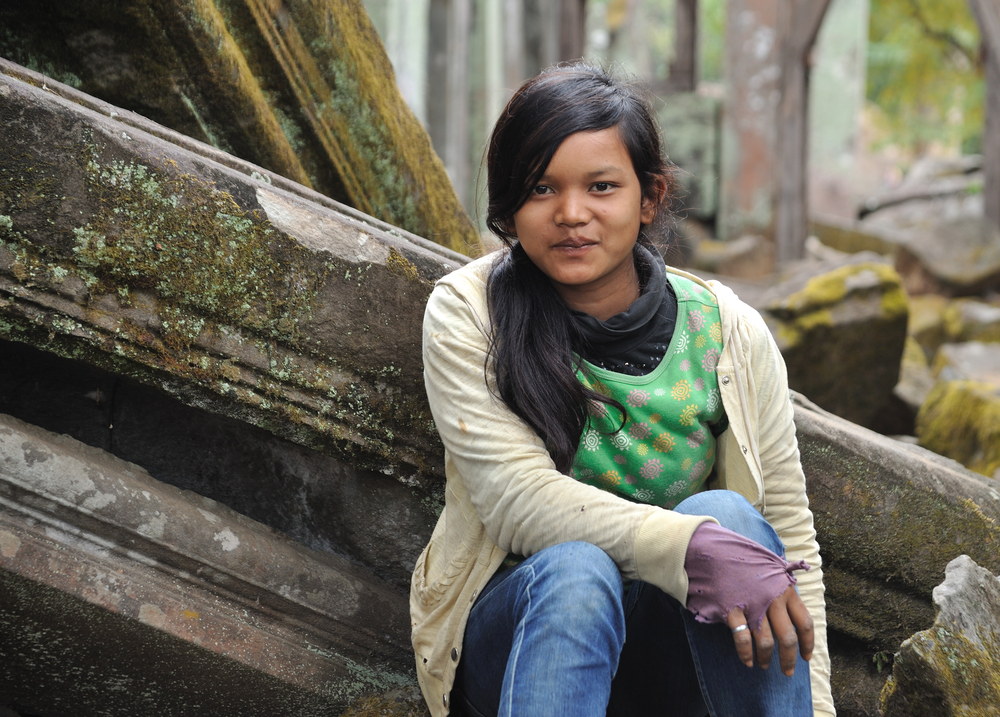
x,y
623,478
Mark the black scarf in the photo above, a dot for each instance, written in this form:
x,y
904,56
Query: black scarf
x,y
634,341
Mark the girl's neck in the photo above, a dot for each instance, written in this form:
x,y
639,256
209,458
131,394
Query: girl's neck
x,y
606,299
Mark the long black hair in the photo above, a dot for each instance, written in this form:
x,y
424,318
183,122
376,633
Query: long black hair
x,y
534,336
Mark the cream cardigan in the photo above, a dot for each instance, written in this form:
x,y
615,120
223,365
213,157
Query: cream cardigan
x,y
503,494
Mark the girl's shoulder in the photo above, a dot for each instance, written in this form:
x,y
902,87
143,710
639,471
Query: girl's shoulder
x,y
473,273
460,296
469,280
736,313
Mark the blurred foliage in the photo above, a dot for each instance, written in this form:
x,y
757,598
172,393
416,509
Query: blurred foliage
x,y
925,74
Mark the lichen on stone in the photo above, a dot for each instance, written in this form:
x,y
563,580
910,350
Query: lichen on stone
x,y
961,420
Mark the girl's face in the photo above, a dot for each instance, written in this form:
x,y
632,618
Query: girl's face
x,y
582,219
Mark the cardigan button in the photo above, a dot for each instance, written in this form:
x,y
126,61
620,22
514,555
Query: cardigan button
x,y
444,699
744,449
454,654
725,380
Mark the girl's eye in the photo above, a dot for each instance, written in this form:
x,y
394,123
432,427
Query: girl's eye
x,y
602,186
541,189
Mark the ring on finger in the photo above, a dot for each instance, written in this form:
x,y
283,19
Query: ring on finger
x,y
740,628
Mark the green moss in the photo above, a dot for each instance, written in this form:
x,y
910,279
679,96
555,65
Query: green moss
x,y
812,306
832,287
195,247
399,264
791,333
961,420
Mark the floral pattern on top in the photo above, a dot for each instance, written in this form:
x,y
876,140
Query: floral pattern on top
x,y
664,450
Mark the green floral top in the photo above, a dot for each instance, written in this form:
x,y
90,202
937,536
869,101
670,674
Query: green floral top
x,y
664,450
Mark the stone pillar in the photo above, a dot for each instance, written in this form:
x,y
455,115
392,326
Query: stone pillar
x,y
572,28
764,125
836,100
987,13
515,71
404,26
684,67
456,146
749,132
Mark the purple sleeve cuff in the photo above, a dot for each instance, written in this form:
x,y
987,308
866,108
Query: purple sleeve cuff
x,y
726,570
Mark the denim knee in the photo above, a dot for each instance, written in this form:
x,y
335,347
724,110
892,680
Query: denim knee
x,y
577,578
575,565
735,512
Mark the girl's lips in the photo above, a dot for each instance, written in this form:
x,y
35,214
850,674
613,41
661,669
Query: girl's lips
x,y
574,244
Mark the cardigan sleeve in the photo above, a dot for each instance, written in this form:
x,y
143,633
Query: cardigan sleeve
x,y
523,502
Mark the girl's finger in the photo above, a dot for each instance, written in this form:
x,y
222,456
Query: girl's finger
x,y
742,638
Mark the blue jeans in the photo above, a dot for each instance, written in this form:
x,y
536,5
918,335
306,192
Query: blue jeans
x,y
558,635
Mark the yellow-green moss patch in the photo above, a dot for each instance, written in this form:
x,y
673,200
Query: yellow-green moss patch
x,y
961,420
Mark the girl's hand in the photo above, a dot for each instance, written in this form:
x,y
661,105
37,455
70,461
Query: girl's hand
x,y
787,621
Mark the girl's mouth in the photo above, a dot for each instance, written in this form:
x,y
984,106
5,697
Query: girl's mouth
x,y
575,244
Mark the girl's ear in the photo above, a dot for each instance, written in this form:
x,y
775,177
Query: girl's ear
x,y
653,200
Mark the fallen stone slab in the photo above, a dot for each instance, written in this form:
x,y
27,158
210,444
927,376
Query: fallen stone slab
x,y
121,595
313,497
953,668
952,257
968,361
304,89
972,320
889,516
131,248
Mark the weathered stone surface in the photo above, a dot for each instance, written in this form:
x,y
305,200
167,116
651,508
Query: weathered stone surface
x,y
946,187
969,361
961,419
915,376
934,220
747,257
320,501
847,237
952,669
927,321
692,120
889,516
157,600
211,279
304,89
972,320
956,258
841,331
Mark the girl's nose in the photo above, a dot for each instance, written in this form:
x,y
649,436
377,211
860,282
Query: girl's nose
x,y
572,210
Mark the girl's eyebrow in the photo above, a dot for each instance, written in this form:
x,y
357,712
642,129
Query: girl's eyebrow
x,y
600,172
